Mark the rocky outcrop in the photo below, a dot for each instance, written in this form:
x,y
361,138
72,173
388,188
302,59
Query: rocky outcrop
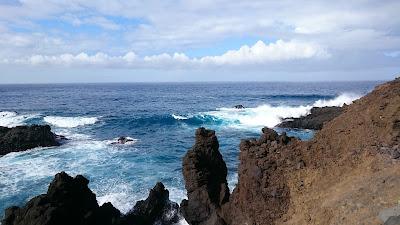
x,y
157,208
262,194
315,120
347,174
205,173
70,201
21,138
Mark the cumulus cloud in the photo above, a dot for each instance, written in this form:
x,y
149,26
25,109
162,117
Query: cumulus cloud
x,y
258,54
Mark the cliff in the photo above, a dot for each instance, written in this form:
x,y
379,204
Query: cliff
x,y
349,173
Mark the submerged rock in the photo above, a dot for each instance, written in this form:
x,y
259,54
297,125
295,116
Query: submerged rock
x,y
21,138
70,201
205,173
315,120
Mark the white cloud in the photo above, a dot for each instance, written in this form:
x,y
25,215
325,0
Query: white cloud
x,y
261,53
258,54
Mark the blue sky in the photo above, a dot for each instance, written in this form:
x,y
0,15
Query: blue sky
x,y
46,41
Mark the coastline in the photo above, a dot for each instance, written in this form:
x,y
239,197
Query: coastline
x,y
291,179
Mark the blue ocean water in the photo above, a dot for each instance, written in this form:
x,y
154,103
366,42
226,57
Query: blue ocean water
x,y
160,117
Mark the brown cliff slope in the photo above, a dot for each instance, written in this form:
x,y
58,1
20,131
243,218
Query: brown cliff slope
x,y
347,174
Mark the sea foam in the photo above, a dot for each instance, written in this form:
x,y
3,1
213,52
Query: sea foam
x,y
69,122
263,115
13,119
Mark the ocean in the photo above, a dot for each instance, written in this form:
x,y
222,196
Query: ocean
x,y
161,118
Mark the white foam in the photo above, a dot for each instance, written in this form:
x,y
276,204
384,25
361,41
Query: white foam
x,y
270,116
70,122
178,117
346,98
13,119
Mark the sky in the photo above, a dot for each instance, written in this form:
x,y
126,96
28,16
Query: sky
x,y
69,41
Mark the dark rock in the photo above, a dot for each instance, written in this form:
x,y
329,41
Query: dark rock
x,y
157,208
315,120
205,173
239,107
393,220
122,140
22,138
67,201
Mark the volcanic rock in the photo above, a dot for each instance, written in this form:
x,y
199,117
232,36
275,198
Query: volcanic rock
x,y
21,138
205,173
347,174
239,107
67,201
157,208
70,201
315,120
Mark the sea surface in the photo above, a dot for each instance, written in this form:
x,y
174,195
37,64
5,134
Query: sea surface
x,y
161,118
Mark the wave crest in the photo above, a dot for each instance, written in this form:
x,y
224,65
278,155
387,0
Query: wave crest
x,y
260,116
13,119
69,122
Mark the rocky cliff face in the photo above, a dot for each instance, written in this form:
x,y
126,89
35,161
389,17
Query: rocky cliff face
x,y
26,137
349,173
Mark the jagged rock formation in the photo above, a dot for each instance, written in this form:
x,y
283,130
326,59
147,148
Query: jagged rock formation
x,y
347,174
70,201
205,173
157,208
315,120
21,138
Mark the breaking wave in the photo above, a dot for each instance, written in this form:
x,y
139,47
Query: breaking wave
x,y
69,122
263,115
12,119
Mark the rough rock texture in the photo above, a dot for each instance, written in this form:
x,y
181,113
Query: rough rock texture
x,y
26,137
315,120
157,208
347,174
262,194
205,173
70,201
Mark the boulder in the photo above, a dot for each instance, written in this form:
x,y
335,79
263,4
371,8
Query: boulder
x,y
22,138
156,209
205,173
67,201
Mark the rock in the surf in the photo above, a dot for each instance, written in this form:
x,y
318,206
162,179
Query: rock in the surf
x,y
122,140
239,107
69,201
156,209
21,138
315,120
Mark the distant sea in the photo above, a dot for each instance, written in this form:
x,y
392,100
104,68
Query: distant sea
x,y
161,118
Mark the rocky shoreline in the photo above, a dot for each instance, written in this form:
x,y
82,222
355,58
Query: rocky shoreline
x,y
315,120
349,173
